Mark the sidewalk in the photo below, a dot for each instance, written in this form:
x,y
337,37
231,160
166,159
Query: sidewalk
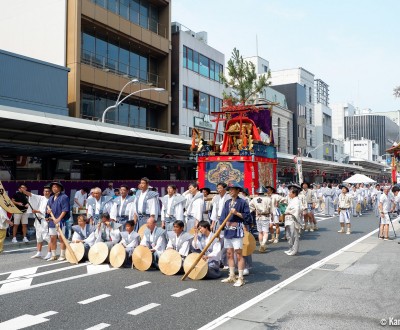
x,y
357,288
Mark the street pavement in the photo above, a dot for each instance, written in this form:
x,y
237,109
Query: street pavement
x,y
281,291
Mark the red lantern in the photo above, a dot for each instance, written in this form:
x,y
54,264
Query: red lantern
x,y
323,173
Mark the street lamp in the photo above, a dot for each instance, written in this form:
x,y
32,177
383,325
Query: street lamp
x,y
318,146
156,89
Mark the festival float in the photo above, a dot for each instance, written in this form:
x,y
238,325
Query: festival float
x,y
246,154
394,151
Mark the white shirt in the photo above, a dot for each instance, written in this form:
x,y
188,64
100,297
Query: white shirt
x,y
158,246
184,250
140,204
81,198
215,253
386,203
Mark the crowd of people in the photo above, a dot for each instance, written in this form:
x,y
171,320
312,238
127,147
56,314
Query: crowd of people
x,y
186,222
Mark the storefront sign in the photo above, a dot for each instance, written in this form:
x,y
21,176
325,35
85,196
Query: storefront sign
x,y
204,123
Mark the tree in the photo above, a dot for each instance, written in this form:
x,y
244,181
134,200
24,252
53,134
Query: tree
x,y
242,79
396,91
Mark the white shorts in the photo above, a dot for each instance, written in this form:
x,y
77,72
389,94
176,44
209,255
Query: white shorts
x,y
344,216
385,220
42,233
21,218
235,243
262,226
53,231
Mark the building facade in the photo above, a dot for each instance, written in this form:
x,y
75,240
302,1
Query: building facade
x,y
373,127
339,111
305,79
197,88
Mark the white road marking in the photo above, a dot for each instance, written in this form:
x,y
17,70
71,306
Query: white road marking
x,y
19,285
54,282
182,293
95,269
46,314
143,309
14,279
23,272
90,300
227,316
47,265
133,286
25,321
16,250
99,326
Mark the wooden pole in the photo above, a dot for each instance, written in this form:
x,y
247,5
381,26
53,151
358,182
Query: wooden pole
x,y
69,248
207,246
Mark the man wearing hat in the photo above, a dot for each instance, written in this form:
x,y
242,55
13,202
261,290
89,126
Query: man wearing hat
x,y
344,206
60,206
172,208
119,210
293,219
39,204
309,202
194,206
234,232
261,205
97,205
275,213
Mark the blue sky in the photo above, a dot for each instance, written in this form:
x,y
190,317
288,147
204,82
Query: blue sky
x,y
352,45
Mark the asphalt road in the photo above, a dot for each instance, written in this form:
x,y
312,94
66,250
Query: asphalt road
x,y
55,295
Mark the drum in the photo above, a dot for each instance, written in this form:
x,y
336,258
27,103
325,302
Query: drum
x,y
170,262
198,272
141,230
249,244
98,253
142,258
117,255
79,250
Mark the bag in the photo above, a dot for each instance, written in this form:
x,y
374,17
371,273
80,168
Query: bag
x,y
230,232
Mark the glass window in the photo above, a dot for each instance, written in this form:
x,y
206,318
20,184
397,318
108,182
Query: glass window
x,y
123,114
112,6
88,48
204,107
154,19
112,60
212,107
101,52
134,65
309,94
184,96
124,61
184,56
144,14
143,68
134,11
133,115
190,98
212,70
190,59
218,104
88,109
124,8
221,73
196,100
142,117
100,106
195,61
101,3
204,69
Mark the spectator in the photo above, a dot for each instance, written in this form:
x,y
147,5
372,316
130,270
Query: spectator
x,y
21,202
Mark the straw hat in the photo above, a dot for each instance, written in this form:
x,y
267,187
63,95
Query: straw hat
x,y
79,251
142,258
117,255
192,231
141,230
98,253
170,262
198,272
249,244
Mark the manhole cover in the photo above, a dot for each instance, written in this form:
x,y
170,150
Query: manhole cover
x,y
329,266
